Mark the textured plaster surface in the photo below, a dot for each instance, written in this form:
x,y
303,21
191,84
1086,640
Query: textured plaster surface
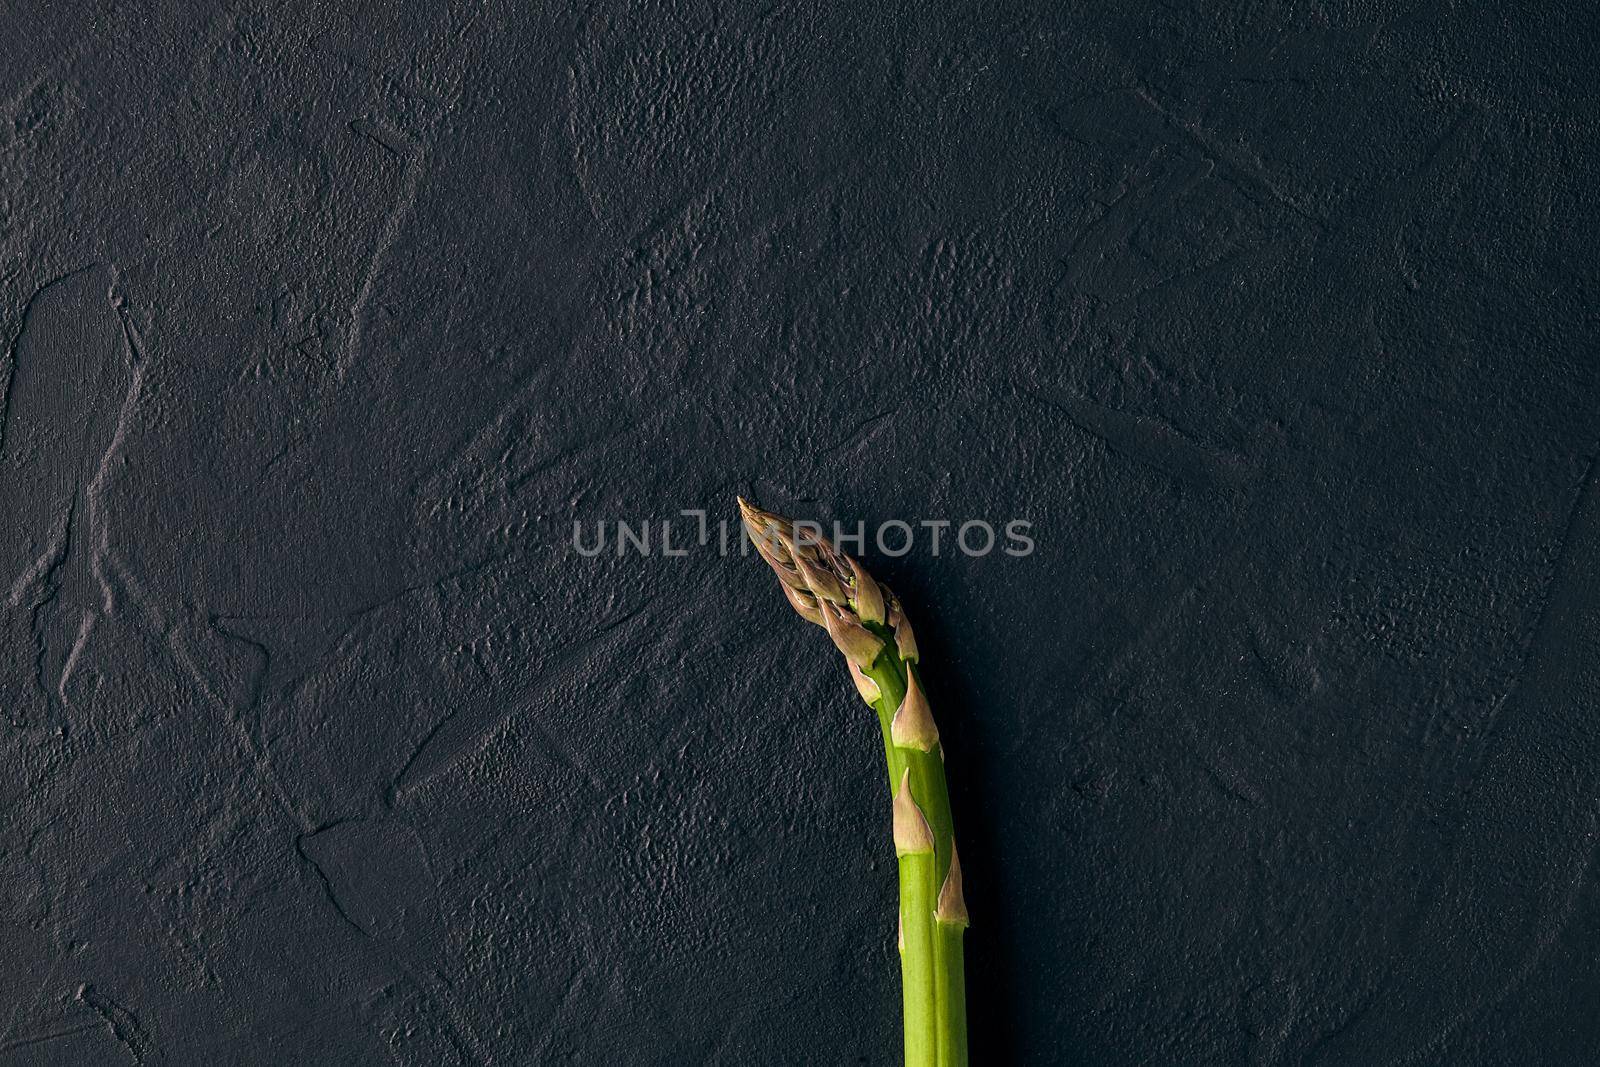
x,y
323,323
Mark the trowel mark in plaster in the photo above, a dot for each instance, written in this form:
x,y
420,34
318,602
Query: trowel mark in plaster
x,y
74,384
410,159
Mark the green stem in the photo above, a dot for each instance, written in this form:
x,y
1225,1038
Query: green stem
x,y
919,1005
928,786
888,673
942,968
950,988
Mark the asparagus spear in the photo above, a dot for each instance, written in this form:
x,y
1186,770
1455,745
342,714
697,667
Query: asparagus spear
x,y
867,624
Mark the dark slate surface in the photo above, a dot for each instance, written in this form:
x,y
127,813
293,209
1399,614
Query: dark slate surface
x,y
324,323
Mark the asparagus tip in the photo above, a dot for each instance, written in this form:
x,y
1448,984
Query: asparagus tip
x,y
815,577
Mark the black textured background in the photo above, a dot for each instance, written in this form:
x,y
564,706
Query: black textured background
x,y
323,323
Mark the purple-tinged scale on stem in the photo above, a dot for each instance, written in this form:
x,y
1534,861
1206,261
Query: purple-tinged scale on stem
x,y
912,837
865,686
769,545
868,599
905,642
913,726
804,604
822,583
859,645
952,909
790,576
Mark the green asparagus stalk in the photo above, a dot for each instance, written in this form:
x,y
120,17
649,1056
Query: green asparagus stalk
x,y
866,622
